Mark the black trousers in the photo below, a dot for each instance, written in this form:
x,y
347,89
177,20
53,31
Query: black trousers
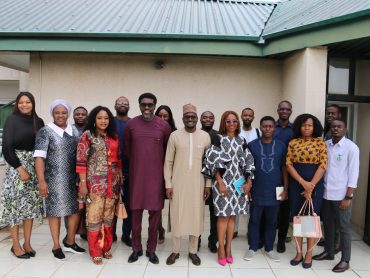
x,y
283,220
212,238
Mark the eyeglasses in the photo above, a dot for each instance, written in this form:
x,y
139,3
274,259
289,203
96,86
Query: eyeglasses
x,y
149,105
122,104
229,122
190,117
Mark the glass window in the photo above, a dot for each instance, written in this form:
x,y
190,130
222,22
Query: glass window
x,y
338,76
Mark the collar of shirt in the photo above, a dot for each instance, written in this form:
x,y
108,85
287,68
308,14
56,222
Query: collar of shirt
x,y
340,143
277,124
60,131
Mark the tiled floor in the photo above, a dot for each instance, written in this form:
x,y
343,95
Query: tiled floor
x,y
44,265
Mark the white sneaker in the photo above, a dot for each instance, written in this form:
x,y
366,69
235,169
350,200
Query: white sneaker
x,y
273,256
249,255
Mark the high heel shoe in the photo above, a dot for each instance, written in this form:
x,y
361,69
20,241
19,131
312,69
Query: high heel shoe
x,y
222,262
31,253
229,260
23,256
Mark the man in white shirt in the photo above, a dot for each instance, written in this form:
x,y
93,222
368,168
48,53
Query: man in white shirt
x,y
248,132
340,181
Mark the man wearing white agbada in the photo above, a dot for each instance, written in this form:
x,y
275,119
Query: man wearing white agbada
x,y
186,187
55,160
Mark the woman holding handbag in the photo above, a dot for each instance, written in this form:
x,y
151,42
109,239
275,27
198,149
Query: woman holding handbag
x,y
100,170
306,163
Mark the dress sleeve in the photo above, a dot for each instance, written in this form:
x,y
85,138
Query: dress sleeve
x,y
215,159
248,165
42,143
83,148
323,154
290,153
7,148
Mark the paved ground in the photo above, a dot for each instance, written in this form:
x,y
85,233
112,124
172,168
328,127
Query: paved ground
x,y
44,265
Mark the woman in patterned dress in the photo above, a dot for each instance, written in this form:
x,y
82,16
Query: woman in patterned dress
x,y
306,164
55,158
226,162
20,200
100,169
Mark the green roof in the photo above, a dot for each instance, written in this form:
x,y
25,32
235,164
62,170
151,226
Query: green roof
x,y
180,19
298,15
209,27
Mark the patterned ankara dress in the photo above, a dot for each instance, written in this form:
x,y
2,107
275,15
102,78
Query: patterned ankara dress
x,y
58,148
233,160
19,200
99,157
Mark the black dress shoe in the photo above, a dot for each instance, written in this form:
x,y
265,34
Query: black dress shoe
x,y
194,259
280,247
341,267
152,257
172,258
126,240
212,247
135,256
23,256
323,256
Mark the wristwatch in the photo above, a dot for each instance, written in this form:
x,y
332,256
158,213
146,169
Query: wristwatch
x,y
348,197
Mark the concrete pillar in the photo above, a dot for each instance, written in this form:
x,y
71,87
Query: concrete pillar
x,y
304,81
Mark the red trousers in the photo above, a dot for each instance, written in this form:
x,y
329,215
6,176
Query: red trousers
x,y
99,217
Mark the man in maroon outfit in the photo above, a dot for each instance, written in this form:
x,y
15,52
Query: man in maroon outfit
x,y
146,138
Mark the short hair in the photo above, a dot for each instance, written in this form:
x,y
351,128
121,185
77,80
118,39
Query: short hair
x,y
207,112
148,95
111,129
248,108
267,118
341,120
80,107
222,129
171,120
334,105
285,101
317,126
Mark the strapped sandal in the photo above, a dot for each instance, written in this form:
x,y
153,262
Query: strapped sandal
x,y
97,260
107,255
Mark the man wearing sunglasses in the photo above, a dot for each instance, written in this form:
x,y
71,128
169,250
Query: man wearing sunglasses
x,y
146,139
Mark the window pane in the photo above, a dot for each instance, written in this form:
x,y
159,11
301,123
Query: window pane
x,y
338,76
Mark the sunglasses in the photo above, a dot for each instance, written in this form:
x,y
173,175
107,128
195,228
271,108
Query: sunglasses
x,y
149,105
190,117
229,122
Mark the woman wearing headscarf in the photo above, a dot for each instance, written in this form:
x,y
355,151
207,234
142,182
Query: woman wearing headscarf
x,y
100,170
55,158
20,199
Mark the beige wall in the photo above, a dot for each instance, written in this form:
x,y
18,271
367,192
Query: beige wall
x,y
211,83
304,81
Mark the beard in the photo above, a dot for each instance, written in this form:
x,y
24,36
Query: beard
x,y
122,112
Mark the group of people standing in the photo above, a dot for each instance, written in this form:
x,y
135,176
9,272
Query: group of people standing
x,y
79,171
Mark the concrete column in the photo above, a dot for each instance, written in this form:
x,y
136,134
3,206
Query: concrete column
x,y
304,81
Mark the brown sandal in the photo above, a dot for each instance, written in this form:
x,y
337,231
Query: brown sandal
x,y
107,255
97,260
